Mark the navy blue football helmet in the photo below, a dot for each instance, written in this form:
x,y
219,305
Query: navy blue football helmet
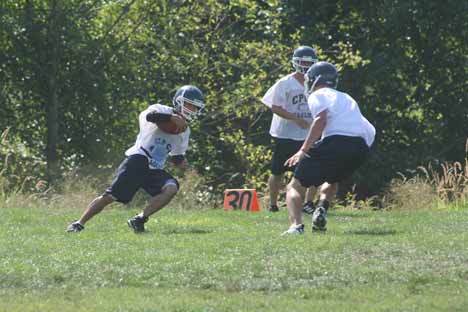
x,y
321,73
303,58
189,95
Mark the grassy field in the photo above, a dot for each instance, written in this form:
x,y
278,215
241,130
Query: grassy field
x,y
212,260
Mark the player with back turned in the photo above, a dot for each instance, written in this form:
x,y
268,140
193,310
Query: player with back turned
x,y
337,144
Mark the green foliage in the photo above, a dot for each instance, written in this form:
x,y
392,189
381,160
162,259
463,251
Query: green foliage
x,y
104,61
410,80
20,168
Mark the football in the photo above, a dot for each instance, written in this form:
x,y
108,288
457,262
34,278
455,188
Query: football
x,y
169,127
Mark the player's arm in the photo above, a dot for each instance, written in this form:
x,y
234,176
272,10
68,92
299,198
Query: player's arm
x,y
156,113
275,97
155,116
315,133
278,110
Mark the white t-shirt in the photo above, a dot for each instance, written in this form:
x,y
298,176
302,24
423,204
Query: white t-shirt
x,y
343,116
288,93
156,144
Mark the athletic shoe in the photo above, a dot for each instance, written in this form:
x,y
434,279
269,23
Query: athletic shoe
x,y
137,223
319,219
75,227
308,208
273,208
294,230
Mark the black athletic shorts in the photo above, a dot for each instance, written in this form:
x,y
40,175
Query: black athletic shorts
x,y
283,149
133,174
331,160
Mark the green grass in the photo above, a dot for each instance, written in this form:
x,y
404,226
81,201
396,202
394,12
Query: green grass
x,y
213,260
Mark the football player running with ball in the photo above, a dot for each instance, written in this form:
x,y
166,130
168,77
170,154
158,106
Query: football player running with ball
x,y
337,144
144,164
290,123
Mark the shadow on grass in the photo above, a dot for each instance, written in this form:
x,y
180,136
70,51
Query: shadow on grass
x,y
186,230
377,232
347,214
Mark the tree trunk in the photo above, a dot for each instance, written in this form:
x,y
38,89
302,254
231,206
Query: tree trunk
x,y
52,130
52,98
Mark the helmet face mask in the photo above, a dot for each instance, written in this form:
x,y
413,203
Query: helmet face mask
x,y
321,73
303,58
189,102
309,84
188,108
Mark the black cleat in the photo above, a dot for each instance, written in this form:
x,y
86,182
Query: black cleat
x,y
75,227
319,219
137,223
273,208
308,208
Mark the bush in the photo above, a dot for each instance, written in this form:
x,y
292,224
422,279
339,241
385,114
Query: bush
x,y
21,170
77,188
430,186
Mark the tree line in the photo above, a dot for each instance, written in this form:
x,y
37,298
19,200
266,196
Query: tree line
x,y
75,74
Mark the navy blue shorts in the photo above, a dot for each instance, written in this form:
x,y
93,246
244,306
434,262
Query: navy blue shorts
x,y
133,174
282,151
331,160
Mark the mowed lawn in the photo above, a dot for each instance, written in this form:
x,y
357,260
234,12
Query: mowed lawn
x,y
211,260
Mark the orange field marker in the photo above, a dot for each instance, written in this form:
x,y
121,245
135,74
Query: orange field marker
x,y
241,199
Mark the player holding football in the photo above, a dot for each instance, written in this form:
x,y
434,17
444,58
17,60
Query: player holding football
x,y
290,123
337,144
144,164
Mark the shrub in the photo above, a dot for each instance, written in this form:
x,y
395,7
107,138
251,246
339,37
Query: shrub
x,y
20,168
430,186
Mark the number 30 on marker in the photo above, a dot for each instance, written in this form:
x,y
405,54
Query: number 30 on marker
x,y
241,199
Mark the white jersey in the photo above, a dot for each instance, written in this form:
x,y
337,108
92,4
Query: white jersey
x,y
156,144
288,93
343,116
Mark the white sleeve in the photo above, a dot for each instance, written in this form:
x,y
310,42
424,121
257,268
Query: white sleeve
x,y
163,109
275,96
155,107
182,146
149,126
370,131
318,103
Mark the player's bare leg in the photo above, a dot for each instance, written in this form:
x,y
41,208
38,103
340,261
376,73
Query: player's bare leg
x,y
155,204
309,206
275,184
310,193
95,207
319,218
328,191
294,199
159,201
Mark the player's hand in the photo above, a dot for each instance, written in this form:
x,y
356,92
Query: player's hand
x,y
300,155
180,122
302,123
